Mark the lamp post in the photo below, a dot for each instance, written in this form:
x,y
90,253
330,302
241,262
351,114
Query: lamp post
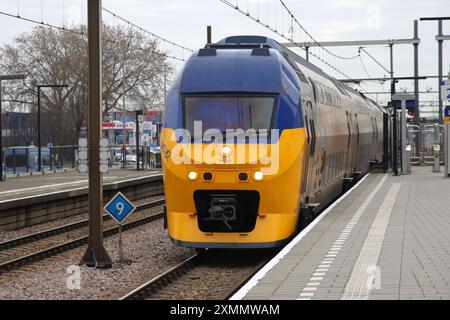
x,y
139,114
39,119
5,78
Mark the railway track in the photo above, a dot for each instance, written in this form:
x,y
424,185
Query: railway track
x,y
21,251
208,275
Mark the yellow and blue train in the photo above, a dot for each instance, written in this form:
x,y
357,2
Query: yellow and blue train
x,y
255,140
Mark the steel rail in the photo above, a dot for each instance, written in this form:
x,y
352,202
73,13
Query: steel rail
x,y
69,245
163,280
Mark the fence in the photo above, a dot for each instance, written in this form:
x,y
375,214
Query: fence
x,y
23,160
126,157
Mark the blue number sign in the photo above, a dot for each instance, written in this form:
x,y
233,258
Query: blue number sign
x,y
119,207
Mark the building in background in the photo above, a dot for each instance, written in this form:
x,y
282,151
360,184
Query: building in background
x,y
18,129
120,128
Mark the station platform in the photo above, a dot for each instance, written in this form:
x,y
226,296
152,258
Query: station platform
x,y
386,239
28,201
30,186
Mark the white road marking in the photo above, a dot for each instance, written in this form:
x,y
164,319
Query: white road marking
x,y
357,286
269,266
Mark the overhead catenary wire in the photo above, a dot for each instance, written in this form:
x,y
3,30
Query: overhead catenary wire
x,y
375,60
41,23
366,70
312,38
147,31
274,30
80,33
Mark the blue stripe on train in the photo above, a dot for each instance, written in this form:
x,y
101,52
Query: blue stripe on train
x,y
237,70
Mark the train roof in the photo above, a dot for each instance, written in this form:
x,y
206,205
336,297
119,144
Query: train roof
x,y
252,42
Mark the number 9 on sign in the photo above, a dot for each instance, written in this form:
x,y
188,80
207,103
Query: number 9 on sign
x,y
120,207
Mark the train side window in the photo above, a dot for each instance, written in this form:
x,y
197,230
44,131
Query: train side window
x,y
308,138
328,170
322,94
314,89
333,158
336,166
310,127
330,95
349,130
313,135
319,93
376,127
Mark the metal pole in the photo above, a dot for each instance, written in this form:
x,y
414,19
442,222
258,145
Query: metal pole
x,y
123,94
165,86
307,53
120,243
394,133
403,129
137,140
39,130
95,255
391,52
447,150
209,35
1,134
416,74
385,142
440,43
416,87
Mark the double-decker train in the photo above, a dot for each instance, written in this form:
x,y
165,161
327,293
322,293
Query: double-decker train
x,y
255,141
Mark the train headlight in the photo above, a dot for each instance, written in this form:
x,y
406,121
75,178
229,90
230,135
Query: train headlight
x,y
258,176
193,175
226,151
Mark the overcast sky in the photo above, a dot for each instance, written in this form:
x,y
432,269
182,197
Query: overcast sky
x,y
185,22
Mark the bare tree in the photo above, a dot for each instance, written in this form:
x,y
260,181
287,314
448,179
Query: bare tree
x,y
132,66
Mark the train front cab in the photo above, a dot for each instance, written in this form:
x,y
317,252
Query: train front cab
x,y
220,200
262,208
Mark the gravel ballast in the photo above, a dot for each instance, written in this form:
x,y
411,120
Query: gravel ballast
x,y
147,251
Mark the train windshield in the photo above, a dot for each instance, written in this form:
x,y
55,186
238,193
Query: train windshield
x,y
223,112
